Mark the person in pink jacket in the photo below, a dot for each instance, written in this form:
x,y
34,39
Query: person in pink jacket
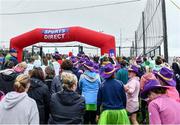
x,y
132,89
145,78
162,109
143,81
165,77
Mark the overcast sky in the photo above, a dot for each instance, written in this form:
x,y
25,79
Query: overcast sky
x,y
109,19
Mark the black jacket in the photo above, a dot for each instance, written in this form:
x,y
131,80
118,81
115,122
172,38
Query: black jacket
x,y
67,107
176,68
40,93
7,81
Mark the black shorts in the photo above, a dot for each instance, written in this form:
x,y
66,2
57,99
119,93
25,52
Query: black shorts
x,y
129,114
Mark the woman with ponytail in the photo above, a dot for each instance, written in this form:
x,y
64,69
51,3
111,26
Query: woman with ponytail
x,y
17,107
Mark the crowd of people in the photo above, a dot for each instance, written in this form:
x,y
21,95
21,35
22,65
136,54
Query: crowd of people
x,y
61,89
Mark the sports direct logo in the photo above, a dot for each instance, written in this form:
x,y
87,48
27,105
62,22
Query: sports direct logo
x,y
55,33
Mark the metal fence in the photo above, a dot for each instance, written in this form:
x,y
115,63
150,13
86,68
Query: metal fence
x,y
151,32
123,51
89,50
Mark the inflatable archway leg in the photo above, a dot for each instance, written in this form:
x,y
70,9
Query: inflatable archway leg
x,y
20,55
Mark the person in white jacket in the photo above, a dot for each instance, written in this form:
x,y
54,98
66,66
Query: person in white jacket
x,y
17,107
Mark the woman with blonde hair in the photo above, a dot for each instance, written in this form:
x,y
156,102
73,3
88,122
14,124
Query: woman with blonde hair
x,y
67,106
17,107
21,67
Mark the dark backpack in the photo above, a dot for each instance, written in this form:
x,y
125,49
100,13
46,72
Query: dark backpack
x,y
48,83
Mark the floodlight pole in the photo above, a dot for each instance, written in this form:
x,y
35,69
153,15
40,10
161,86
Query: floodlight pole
x,y
164,30
144,35
136,42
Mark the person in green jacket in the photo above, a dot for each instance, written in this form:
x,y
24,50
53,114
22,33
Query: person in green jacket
x,y
122,73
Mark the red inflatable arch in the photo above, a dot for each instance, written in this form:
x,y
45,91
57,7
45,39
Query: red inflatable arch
x,y
105,42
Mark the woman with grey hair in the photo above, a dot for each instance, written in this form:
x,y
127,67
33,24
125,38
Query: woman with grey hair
x,y
67,106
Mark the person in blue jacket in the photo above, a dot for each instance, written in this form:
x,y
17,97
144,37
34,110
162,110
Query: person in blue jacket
x,y
89,84
112,98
